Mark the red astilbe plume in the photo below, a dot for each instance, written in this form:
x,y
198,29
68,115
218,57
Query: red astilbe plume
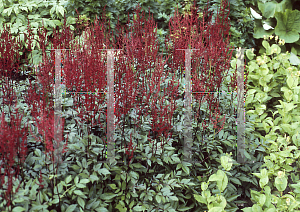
x,y
130,150
12,149
9,53
45,126
211,61
139,86
85,69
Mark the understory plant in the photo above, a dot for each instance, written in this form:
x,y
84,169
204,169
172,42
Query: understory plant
x,y
274,95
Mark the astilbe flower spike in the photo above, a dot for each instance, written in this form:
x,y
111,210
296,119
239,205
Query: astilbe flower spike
x,y
12,144
143,79
212,43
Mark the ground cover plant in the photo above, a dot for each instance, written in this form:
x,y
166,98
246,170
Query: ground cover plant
x,y
150,173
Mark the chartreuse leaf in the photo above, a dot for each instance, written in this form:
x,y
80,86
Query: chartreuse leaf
x,y
226,162
200,199
281,183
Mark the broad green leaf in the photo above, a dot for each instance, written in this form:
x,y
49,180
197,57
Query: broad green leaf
x,y
213,177
226,162
18,209
263,181
79,185
79,193
200,199
223,182
68,179
113,186
137,165
139,208
294,60
101,209
173,198
71,208
53,9
158,198
215,209
81,202
262,199
103,171
60,9
288,25
281,183
16,9
84,181
204,186
107,196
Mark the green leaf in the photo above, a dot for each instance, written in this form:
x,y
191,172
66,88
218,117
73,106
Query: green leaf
x,y
60,9
84,181
139,208
39,207
288,25
281,183
79,193
250,54
158,198
294,60
53,9
16,9
79,185
71,208
262,199
113,186
173,198
226,162
18,209
268,9
213,177
233,197
81,202
38,152
235,180
138,165
107,196
266,45
68,179
200,199
55,201
186,169
223,182
103,171
101,209
216,209
204,186
94,178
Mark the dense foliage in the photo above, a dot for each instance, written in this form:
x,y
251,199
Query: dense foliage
x,y
149,173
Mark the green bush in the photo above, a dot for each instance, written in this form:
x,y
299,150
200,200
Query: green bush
x,y
274,93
